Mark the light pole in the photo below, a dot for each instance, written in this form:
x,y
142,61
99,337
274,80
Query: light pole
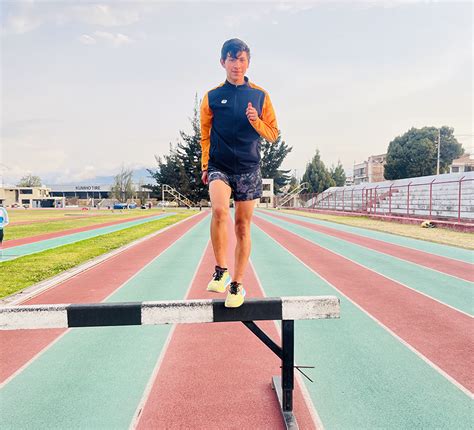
x,y
439,146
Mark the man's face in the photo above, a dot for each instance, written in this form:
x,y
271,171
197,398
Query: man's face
x,y
236,67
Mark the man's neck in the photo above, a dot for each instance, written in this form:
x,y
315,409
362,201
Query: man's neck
x,y
233,82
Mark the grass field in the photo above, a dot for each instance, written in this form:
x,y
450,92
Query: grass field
x,y
21,215
65,220
23,272
437,235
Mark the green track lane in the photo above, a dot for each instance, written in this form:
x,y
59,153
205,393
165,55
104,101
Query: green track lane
x,y
421,245
43,245
445,288
364,378
94,378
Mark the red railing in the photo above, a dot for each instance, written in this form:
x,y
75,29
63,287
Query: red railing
x,y
431,200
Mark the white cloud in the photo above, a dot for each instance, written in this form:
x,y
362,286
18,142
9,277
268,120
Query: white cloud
x,y
21,24
117,39
111,15
87,40
25,16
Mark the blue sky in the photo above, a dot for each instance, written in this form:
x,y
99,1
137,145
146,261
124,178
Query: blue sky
x,y
88,87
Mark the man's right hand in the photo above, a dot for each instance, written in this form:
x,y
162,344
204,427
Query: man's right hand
x,y
204,177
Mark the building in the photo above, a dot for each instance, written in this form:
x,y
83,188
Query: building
x,y
29,197
267,194
462,164
371,170
61,195
93,194
91,191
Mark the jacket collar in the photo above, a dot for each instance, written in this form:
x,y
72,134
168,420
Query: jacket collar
x,y
245,84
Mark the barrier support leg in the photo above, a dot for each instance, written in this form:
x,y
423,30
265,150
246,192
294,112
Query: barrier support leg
x,y
283,384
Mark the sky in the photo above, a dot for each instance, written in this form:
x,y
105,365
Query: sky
x,y
89,87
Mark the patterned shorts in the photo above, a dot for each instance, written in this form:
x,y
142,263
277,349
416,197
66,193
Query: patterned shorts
x,y
245,186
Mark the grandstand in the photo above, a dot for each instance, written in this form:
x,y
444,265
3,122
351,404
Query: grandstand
x,y
447,196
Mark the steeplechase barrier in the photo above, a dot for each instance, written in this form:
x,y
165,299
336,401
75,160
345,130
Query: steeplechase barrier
x,y
285,309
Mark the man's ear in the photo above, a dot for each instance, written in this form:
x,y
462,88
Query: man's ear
x,y
222,63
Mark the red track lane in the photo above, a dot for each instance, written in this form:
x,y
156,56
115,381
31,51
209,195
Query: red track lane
x,y
442,264
440,333
32,239
93,285
218,376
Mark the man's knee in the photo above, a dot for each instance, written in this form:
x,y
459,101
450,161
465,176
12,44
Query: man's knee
x,y
220,213
242,228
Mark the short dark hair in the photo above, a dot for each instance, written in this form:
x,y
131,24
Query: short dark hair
x,y
232,47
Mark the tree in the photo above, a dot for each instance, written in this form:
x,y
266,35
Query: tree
x,y
415,153
294,183
189,154
141,192
30,181
273,155
122,188
317,176
181,168
338,175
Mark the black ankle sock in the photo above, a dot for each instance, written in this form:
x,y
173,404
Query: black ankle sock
x,y
221,268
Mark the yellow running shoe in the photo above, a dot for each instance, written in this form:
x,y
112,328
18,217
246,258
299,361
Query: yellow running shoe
x,y
220,280
235,296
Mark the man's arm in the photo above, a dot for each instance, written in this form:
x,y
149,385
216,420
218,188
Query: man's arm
x,y
206,124
266,124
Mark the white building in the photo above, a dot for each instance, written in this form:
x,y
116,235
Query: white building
x,y
462,164
266,200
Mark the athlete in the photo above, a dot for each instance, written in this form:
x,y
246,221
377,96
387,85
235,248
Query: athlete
x,y
3,224
234,117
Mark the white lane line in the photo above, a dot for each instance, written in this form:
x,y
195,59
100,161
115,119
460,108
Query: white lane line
x,y
146,394
382,232
304,390
374,271
382,252
43,286
411,348
35,357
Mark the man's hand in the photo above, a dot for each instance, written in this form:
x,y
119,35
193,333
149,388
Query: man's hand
x,y
251,113
204,177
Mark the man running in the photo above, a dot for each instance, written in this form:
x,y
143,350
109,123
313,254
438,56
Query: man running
x,y
234,117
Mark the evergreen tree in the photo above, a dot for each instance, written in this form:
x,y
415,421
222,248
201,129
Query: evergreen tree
x,y
181,168
317,176
189,154
273,155
338,175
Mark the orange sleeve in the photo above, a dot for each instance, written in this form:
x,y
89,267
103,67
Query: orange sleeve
x,y
206,124
266,125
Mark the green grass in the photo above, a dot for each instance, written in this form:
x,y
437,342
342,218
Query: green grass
x,y
436,235
16,275
20,215
28,230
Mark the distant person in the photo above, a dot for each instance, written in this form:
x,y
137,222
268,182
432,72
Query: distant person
x,y
3,223
234,117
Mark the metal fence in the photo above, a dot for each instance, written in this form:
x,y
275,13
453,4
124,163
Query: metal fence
x,y
436,199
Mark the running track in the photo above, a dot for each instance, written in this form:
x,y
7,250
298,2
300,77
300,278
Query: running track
x,y
31,245
399,357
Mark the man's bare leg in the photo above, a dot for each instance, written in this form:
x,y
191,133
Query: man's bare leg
x,y
220,195
243,218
